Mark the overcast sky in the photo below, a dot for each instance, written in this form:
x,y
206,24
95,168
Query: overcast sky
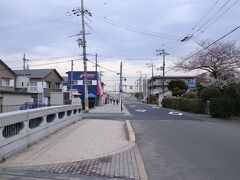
x,y
128,31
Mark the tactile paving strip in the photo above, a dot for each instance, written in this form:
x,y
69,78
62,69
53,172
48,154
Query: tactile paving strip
x,y
121,165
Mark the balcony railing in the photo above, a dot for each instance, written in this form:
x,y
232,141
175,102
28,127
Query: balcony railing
x,y
32,89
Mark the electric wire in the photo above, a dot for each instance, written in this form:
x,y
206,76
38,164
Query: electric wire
x,y
96,64
202,31
198,31
206,47
206,14
133,29
51,63
53,18
219,10
122,7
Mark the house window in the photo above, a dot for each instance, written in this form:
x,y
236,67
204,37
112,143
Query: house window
x,y
89,82
48,84
33,86
33,83
5,82
74,82
57,85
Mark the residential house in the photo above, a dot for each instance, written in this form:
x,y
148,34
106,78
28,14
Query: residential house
x,y
10,100
65,83
155,84
7,76
40,82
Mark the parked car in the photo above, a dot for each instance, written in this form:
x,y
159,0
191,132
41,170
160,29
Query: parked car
x,y
29,105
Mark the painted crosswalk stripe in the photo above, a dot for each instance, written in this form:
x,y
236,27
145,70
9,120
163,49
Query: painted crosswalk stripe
x,y
141,110
175,113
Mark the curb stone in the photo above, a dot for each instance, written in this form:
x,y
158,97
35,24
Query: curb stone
x,y
126,112
130,132
140,164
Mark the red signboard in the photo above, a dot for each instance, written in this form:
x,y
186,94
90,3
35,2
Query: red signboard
x,y
88,75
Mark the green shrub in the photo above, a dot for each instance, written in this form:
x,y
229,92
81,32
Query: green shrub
x,y
166,102
190,95
178,92
209,93
152,99
196,106
184,104
222,107
234,92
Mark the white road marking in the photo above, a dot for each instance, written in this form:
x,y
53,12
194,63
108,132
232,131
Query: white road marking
x,y
132,106
175,113
154,107
141,110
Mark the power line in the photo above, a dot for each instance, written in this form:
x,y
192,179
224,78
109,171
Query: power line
x,y
58,62
102,4
137,30
206,14
115,44
50,58
34,22
171,46
206,47
102,67
234,3
123,7
222,7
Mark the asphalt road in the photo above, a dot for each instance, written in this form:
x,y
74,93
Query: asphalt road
x,y
181,147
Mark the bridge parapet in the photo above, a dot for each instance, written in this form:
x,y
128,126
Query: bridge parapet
x,y
20,129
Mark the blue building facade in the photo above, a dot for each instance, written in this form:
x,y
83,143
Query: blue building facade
x,y
78,83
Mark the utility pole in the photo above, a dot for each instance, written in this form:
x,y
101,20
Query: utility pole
x,y
151,65
140,82
96,61
163,53
71,85
137,86
100,75
86,103
82,42
121,87
24,62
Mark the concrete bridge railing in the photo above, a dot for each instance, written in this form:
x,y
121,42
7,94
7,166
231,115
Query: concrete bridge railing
x,y
20,129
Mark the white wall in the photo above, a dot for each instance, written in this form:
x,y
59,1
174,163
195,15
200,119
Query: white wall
x,y
20,80
13,99
40,86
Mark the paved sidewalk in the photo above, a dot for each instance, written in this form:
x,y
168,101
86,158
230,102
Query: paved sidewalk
x,y
92,148
109,108
85,139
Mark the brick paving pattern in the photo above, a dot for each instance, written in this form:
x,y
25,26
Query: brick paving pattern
x,y
122,165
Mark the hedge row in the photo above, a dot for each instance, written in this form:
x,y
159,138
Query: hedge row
x,y
184,104
223,107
